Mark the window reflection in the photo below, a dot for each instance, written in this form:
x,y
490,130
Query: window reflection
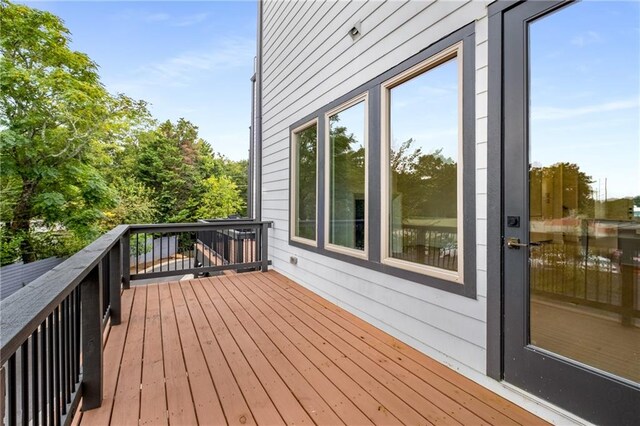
x,y
305,182
423,157
347,178
584,180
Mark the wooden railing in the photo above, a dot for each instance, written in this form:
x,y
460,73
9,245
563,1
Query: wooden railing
x,y
52,330
596,278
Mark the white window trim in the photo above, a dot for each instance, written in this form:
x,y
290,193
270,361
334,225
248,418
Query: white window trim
x,y
454,51
363,254
294,180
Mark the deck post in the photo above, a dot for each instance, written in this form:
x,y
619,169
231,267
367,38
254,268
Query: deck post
x,y
91,330
115,282
126,260
264,247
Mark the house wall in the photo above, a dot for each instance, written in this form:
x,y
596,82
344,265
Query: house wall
x,y
17,275
310,60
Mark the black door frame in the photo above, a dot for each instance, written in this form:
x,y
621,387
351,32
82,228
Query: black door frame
x,y
596,397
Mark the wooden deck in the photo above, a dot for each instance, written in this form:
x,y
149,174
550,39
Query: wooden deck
x,y
257,348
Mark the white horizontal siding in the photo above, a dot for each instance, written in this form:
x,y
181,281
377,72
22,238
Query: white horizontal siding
x,y
310,60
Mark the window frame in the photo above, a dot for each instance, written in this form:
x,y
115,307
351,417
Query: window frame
x,y
466,288
363,254
454,51
294,180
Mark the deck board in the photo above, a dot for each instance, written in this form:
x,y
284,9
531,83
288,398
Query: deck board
x,y
295,352
233,403
153,397
126,403
180,405
463,391
257,348
205,396
262,407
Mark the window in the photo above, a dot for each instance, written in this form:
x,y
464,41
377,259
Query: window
x,y
396,172
346,206
304,182
422,167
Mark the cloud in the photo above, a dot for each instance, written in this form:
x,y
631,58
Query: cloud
x,y
187,21
162,17
185,68
562,113
587,38
155,17
440,90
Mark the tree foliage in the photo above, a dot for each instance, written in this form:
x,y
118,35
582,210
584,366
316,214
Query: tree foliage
x,y
428,182
176,166
221,199
76,160
55,117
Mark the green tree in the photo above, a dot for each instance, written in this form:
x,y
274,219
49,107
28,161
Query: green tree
x,y
173,162
56,118
134,204
238,172
221,199
177,167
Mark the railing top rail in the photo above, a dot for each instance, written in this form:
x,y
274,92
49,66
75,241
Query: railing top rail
x,y
22,312
201,226
230,219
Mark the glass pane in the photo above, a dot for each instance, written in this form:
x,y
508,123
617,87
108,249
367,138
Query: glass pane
x,y
347,178
584,180
423,194
305,181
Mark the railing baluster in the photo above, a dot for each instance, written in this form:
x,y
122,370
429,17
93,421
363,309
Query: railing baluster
x,y
12,403
67,358
43,371
137,251
24,382
62,325
56,365
126,259
51,369
34,378
153,253
72,341
78,291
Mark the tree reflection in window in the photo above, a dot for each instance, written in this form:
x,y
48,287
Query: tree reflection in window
x,y
424,117
305,180
423,207
347,178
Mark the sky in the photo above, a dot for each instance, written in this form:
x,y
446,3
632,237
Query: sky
x,y
191,60
585,97
585,93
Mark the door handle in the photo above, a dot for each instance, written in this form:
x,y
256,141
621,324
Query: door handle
x,y
514,243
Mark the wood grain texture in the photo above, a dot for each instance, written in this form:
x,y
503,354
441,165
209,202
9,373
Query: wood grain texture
x,y
257,348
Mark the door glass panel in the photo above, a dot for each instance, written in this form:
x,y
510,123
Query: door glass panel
x,y
584,185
